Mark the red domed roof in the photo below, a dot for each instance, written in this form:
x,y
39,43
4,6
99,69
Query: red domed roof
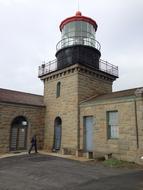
x,y
78,17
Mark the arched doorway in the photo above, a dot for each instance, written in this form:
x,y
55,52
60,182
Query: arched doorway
x,y
57,133
18,134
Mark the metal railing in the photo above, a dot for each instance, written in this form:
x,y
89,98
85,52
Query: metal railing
x,y
51,66
78,40
108,68
46,68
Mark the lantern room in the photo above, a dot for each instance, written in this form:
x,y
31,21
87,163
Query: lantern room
x,y
78,43
78,30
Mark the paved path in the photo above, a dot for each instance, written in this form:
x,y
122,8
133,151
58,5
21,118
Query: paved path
x,y
43,172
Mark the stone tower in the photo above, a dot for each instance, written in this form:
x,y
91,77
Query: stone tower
x,y
77,74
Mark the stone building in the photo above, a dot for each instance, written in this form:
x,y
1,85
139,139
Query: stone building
x,y
117,124
21,116
78,114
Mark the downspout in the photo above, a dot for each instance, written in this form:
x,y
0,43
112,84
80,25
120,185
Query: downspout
x,y
78,146
136,123
78,116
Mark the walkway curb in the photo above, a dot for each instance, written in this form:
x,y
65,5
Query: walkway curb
x,y
70,157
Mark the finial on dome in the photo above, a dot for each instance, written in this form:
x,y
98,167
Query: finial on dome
x,y
78,13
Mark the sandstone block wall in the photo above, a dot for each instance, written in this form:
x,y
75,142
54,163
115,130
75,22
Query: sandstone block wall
x,y
34,115
65,107
77,83
92,84
126,146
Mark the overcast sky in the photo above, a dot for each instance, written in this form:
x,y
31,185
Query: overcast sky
x,y
29,32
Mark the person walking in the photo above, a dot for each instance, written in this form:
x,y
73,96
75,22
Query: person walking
x,y
33,144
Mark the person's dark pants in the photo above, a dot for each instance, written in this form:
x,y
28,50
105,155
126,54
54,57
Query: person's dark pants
x,y
33,145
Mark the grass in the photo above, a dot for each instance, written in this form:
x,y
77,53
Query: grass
x,y
119,163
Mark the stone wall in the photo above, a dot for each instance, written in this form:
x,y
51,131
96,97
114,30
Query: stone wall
x,y
65,107
33,114
92,83
77,84
139,105
130,130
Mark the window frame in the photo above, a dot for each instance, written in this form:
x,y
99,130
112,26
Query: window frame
x,y
58,89
110,135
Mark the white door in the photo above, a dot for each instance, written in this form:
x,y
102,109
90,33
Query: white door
x,y
88,133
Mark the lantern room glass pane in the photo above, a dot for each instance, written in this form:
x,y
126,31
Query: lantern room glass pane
x,y
78,28
71,26
84,28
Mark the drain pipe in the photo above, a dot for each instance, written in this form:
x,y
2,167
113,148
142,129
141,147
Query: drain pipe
x,y
138,93
136,123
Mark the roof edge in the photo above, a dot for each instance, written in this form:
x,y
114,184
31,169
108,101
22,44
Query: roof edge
x,y
5,89
25,104
113,93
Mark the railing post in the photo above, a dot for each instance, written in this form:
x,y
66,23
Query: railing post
x,y
106,66
43,68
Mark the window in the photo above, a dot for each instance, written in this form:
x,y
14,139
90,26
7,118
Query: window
x,y
58,89
112,124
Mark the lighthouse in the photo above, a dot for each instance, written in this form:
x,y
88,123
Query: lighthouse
x,y
78,42
74,76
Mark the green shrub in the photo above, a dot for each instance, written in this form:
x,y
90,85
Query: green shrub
x,y
118,163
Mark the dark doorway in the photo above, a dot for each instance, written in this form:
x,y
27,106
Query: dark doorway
x,y
57,133
18,135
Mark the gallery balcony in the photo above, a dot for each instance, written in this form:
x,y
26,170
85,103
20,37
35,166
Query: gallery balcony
x,y
51,66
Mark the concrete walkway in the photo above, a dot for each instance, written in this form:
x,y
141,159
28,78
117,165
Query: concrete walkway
x,y
71,157
46,172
